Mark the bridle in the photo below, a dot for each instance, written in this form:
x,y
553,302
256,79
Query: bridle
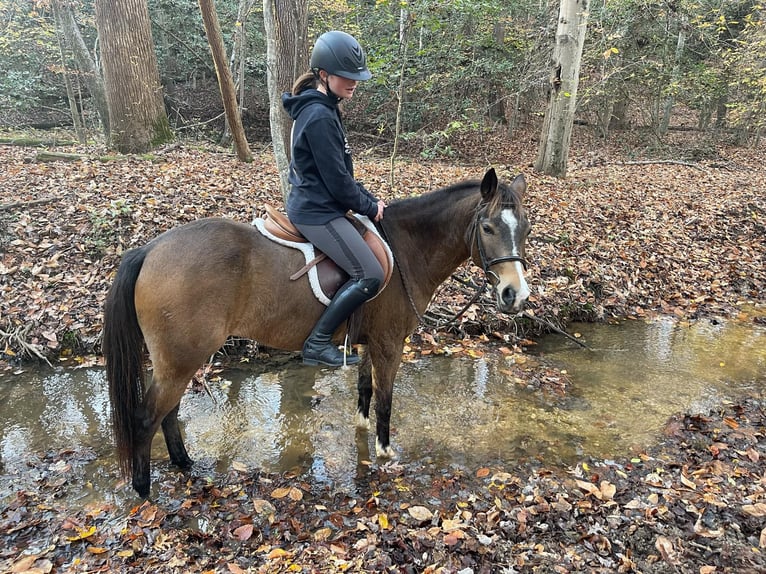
x,y
485,265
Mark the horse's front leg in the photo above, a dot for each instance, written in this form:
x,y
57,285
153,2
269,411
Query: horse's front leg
x,y
385,364
364,391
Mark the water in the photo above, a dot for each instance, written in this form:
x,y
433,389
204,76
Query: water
x,y
447,410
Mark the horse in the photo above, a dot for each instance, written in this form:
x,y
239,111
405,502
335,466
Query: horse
x,y
181,295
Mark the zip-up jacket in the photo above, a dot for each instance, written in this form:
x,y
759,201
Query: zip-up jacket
x,y
322,184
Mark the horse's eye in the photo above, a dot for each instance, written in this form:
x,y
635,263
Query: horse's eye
x,y
487,228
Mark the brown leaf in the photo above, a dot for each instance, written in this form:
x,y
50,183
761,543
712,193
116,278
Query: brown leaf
x,y
665,548
277,553
758,509
420,513
244,532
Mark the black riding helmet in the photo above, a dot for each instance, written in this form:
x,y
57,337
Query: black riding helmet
x,y
339,54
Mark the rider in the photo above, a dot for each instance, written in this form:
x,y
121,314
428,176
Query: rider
x,y
323,188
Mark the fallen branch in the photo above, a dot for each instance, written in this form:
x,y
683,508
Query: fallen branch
x,y
34,142
15,204
45,156
660,161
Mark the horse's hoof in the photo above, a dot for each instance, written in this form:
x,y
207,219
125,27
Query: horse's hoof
x,y
141,488
385,451
183,464
361,421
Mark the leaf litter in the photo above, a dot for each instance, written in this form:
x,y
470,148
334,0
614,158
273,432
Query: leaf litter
x,y
613,240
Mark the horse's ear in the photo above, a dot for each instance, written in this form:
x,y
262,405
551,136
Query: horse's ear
x,y
519,185
489,184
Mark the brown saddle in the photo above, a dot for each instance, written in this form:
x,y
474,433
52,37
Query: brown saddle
x,y
331,277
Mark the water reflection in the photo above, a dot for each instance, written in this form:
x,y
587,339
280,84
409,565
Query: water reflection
x,y
446,410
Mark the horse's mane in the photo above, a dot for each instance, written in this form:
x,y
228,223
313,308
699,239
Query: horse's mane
x,y
433,200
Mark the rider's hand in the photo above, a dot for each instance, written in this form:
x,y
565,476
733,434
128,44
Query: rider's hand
x,y
381,207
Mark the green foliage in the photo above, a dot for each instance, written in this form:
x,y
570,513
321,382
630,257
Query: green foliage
x,y
747,62
459,59
105,225
28,53
466,64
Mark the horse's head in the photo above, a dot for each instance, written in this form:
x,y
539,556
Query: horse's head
x,y
499,239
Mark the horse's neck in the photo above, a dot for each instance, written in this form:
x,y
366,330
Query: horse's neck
x,y
432,247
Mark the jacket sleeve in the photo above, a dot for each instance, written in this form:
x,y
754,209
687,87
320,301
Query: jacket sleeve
x,y
368,193
327,147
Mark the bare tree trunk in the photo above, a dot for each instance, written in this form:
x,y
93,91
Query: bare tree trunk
x,y
286,24
565,76
404,21
225,81
73,111
674,77
137,115
87,66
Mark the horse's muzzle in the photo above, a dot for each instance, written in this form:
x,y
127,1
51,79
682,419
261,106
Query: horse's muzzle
x,y
509,300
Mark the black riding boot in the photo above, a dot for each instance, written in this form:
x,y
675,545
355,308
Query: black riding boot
x,y
319,347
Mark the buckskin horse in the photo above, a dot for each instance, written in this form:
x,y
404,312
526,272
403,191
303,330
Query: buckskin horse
x,y
182,294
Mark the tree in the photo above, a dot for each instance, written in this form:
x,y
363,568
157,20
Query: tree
x,y
286,24
92,77
225,81
562,98
136,109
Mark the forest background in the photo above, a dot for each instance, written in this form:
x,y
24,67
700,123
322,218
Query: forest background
x,y
461,67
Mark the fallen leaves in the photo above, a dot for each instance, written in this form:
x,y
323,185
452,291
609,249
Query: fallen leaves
x,y
630,240
666,506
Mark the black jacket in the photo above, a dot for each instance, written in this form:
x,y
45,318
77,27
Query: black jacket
x,y
322,184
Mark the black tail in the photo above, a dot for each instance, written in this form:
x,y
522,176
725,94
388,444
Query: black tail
x,y
123,348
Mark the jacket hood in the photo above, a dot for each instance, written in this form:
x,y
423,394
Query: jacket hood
x,y
294,105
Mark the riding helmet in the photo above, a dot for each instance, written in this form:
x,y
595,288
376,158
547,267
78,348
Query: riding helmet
x,y
339,54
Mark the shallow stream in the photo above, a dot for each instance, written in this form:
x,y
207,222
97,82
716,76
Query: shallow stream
x,y
447,410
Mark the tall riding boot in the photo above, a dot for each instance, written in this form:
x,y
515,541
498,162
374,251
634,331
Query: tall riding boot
x,y
319,347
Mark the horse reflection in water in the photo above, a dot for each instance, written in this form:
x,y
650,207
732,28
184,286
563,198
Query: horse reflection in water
x,y
182,294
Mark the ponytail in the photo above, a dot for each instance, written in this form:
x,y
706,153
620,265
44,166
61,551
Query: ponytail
x,y
304,82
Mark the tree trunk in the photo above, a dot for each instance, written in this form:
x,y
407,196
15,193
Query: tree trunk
x,y
674,78
225,81
73,110
137,115
404,27
565,76
87,66
286,24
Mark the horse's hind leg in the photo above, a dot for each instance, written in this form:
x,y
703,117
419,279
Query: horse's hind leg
x,y
174,440
160,403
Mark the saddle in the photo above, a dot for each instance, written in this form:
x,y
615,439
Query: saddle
x,y
329,276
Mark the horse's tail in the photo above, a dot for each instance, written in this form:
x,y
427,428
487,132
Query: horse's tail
x,y
123,348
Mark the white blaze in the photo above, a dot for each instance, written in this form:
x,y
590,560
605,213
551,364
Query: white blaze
x,y
522,289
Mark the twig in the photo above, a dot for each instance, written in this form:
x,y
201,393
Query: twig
x,y
553,327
